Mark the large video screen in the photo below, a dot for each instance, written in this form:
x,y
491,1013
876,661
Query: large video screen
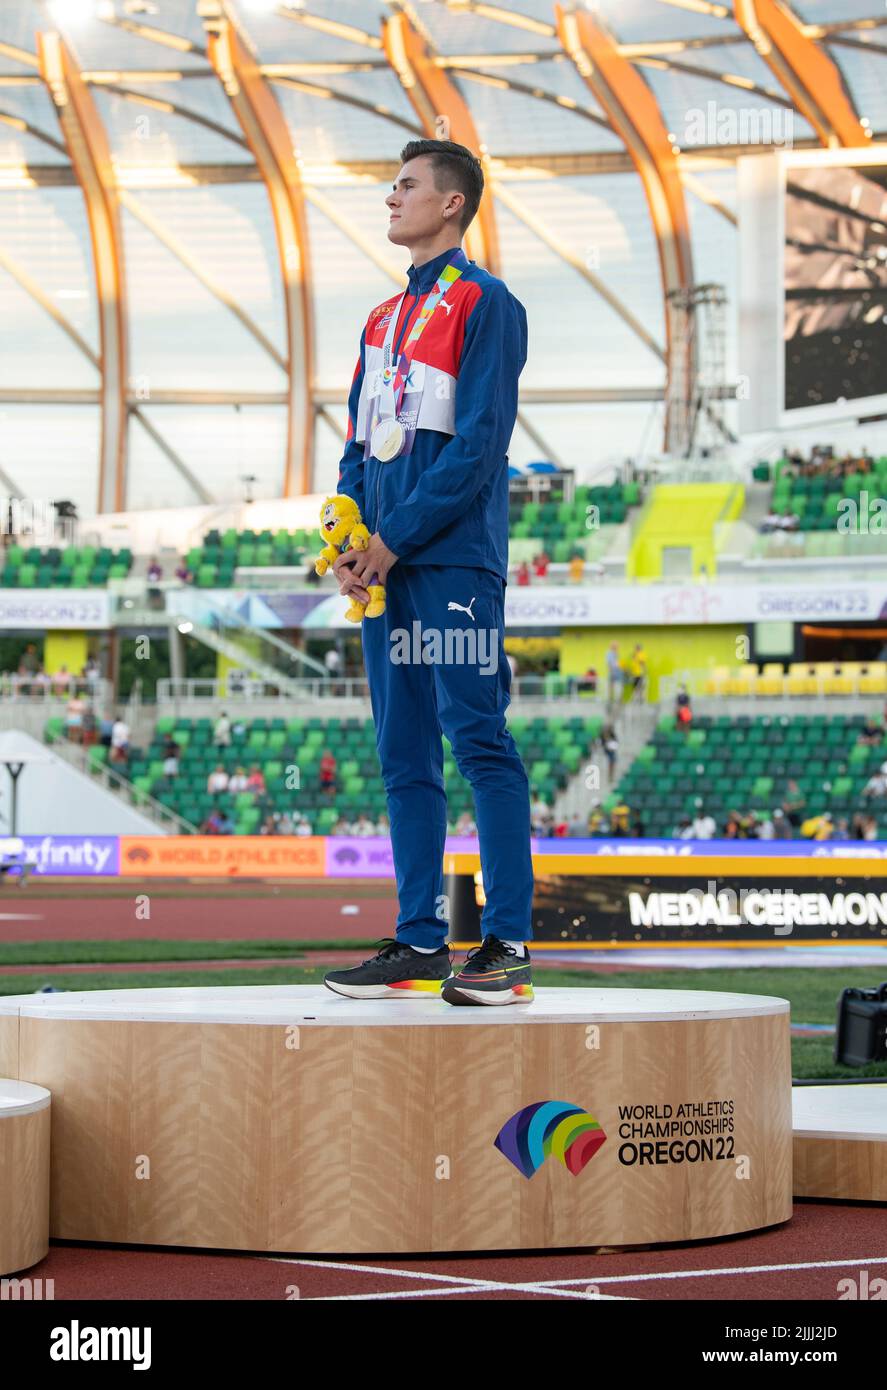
x,y
835,282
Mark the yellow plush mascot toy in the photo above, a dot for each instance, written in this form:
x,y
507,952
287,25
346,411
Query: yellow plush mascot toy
x,y
342,529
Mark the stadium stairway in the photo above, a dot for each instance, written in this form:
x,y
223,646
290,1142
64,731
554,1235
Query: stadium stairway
x,y
635,726
151,815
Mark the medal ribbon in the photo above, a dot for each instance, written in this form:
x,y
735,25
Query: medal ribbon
x,y
393,391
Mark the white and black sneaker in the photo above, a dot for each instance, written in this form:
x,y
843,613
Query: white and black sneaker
x,y
397,971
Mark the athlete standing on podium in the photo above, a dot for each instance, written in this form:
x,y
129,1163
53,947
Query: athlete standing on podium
x,y
431,409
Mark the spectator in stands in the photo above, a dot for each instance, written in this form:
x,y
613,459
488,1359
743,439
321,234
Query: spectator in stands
x,y
170,745
29,664
596,822
576,569
682,709
772,521
183,574
302,826
92,671
119,740
871,733
782,827
685,828
576,829
332,662
217,781
793,802
523,574
638,829
237,782
877,784
540,565
704,827
328,773
637,670
817,827
789,522
211,825
864,827
171,765
155,571
620,820
222,731
226,824
61,681
615,674
737,827
383,826
74,718
255,782
89,727
540,817
588,682
363,826
610,745
841,830
763,827
269,825
465,824
340,827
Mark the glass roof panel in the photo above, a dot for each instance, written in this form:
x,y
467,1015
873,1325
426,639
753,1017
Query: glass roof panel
x,y
511,123
45,237
698,111
461,31
577,338
140,134
52,451
326,131
220,445
182,335
31,104
638,21
865,76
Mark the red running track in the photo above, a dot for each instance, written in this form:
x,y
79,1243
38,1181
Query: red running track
x,y
801,1260
24,918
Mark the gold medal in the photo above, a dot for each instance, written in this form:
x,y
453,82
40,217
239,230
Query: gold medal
x,y
387,439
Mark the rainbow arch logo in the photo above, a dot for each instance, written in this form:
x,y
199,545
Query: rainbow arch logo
x,y
550,1127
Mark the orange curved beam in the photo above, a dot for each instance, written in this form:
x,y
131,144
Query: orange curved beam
x,y
433,95
90,156
635,116
269,138
809,75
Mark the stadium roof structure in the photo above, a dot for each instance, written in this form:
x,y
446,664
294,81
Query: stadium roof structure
x,y
192,225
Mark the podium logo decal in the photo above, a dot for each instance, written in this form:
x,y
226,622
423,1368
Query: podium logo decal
x,y
550,1127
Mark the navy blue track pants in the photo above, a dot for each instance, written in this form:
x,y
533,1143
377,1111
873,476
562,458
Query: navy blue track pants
x,y
436,663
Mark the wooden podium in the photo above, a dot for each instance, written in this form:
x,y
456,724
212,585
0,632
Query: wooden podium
x,y
286,1118
24,1174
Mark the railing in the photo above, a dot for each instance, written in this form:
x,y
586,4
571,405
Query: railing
x,y
114,781
44,690
247,691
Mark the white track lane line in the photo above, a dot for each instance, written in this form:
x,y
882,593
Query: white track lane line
x,y
715,1273
443,1293
456,1283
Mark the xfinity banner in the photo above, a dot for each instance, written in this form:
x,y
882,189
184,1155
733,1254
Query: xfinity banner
x,y
80,855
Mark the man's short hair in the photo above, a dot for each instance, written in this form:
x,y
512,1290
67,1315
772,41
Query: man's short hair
x,y
454,167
